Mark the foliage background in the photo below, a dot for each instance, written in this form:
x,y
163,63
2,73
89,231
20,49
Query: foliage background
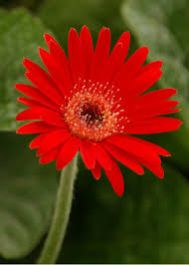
x,y
150,223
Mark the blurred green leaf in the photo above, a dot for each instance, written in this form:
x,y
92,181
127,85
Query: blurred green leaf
x,y
148,225
32,4
60,16
151,23
20,33
26,196
178,23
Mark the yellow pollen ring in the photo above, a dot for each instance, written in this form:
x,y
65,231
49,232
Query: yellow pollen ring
x,y
104,124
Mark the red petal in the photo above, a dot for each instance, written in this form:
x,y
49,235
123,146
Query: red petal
x,y
75,55
101,54
96,171
29,102
67,152
58,52
154,126
34,127
144,152
117,57
154,109
116,179
35,143
151,147
53,69
52,140
49,157
87,48
125,41
131,68
87,154
125,158
103,44
136,60
42,81
102,157
114,63
61,60
144,82
151,67
137,146
155,168
43,114
33,93
156,96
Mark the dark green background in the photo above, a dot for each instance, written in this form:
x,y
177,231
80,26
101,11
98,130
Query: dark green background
x,y
150,224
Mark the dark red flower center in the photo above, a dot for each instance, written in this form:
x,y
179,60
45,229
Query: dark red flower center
x,y
91,114
93,111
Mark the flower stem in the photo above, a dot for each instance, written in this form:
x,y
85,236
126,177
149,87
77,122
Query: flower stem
x,y
61,215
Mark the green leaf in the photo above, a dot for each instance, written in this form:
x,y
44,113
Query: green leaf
x,y
20,34
178,23
32,4
26,197
148,225
151,23
93,13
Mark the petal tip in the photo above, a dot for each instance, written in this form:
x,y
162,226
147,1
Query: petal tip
x,y
47,36
31,147
120,192
58,167
72,31
18,131
84,28
161,174
104,28
18,117
17,86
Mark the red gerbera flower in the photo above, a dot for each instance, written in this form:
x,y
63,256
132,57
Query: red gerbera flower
x,y
93,101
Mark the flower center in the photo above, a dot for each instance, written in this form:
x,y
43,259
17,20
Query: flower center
x,y
93,111
91,114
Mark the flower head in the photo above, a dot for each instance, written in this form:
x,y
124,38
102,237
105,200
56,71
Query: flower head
x,y
93,101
